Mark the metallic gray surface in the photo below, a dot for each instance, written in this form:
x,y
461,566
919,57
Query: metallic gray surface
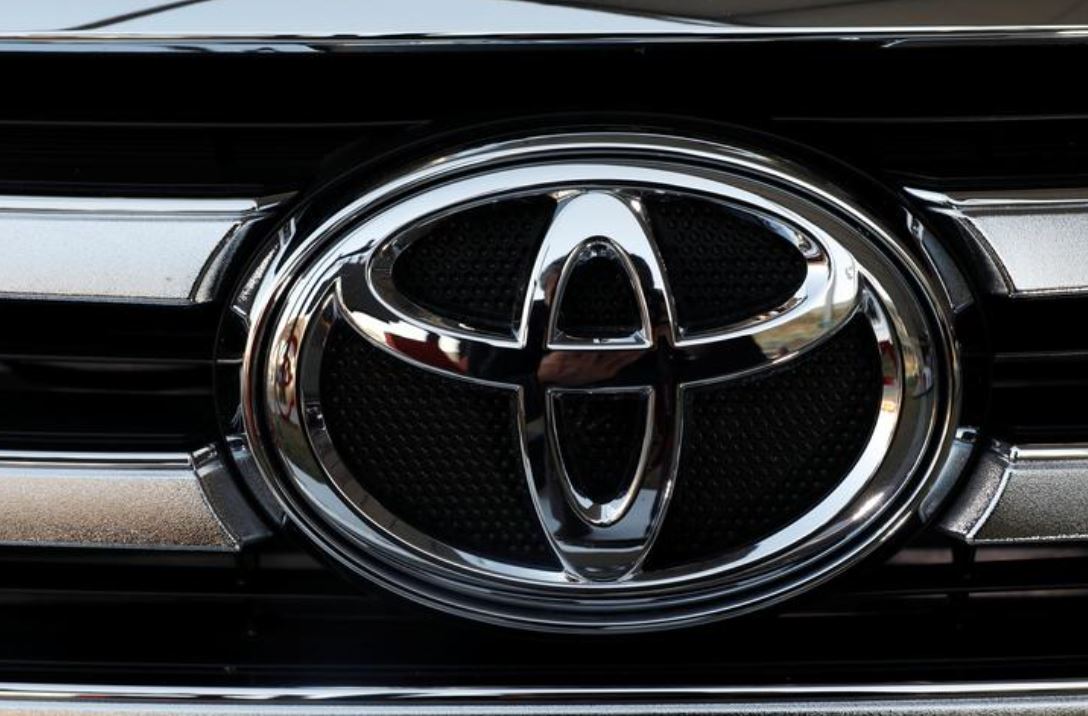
x,y
1024,494
170,251
268,24
132,500
1029,242
1044,698
300,294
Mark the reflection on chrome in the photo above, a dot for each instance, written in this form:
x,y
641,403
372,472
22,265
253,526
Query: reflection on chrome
x,y
339,269
593,540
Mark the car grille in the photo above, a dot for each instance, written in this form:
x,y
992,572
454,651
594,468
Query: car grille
x,y
112,376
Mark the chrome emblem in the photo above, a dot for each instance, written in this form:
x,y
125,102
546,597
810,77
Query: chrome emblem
x,y
339,270
607,541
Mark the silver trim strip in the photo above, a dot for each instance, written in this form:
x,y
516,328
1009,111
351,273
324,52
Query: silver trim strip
x,y
253,25
122,500
132,250
659,31
629,27
294,44
1029,242
1017,494
1049,697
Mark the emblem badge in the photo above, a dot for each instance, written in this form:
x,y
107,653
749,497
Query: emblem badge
x,y
612,385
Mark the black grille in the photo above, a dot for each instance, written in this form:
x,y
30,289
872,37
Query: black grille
x,y
599,301
473,266
760,451
441,454
270,616
600,439
723,264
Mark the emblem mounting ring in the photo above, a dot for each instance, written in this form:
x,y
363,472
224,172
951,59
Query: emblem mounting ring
x,y
306,287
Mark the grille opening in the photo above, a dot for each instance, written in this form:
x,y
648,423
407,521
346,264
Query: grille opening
x,y
277,616
442,454
723,264
472,267
599,301
600,440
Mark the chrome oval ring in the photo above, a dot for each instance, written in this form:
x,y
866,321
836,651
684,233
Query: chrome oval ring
x,y
858,267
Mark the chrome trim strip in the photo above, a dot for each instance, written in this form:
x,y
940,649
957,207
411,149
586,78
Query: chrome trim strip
x,y
1019,697
319,25
135,43
1029,242
132,250
628,29
1017,494
122,500
620,29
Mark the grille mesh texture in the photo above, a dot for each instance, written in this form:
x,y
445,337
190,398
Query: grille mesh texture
x,y
723,265
599,301
473,266
759,452
441,454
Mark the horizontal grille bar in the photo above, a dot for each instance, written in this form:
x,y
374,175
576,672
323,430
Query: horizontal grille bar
x,y
1031,242
1024,494
113,249
138,500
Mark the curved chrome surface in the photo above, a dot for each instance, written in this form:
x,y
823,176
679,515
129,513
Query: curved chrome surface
x,y
257,24
130,250
134,500
337,270
1055,697
594,541
1024,493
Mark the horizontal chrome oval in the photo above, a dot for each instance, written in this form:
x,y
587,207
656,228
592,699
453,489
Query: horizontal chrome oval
x,y
826,300
828,296
284,314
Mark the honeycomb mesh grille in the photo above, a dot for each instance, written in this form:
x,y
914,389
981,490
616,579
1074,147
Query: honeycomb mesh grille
x,y
759,452
443,455
600,440
723,264
473,266
599,301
